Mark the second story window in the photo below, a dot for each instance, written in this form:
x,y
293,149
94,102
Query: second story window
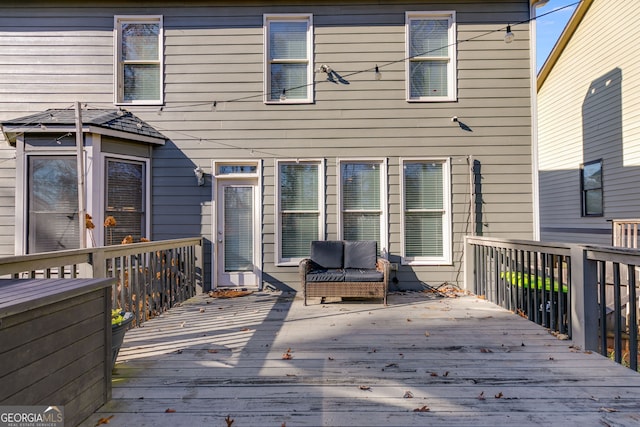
x,y
431,53
139,76
288,59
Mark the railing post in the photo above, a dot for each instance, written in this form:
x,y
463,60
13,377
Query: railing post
x,y
469,266
583,299
98,264
199,267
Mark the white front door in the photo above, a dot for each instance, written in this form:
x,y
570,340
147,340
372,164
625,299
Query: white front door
x,y
237,254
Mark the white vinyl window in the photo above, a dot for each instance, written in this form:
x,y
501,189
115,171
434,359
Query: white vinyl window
x,y
426,216
288,58
139,60
126,200
431,53
300,208
363,201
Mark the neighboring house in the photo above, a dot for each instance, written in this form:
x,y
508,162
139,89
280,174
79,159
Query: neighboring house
x,y
588,125
405,123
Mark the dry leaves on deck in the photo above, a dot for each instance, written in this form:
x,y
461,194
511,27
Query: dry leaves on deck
x,y
170,410
229,420
228,293
104,420
425,408
287,355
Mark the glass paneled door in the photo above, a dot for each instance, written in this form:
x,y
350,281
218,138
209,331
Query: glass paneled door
x,y
237,241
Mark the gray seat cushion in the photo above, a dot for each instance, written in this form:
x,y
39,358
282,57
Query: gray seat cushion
x,y
327,253
360,254
326,275
362,275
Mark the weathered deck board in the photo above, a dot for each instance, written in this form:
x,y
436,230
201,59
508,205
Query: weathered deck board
x,y
469,362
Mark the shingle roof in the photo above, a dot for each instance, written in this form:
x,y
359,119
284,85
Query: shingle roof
x,y
112,119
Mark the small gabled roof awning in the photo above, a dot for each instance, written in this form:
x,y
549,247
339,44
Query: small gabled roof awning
x,y
112,122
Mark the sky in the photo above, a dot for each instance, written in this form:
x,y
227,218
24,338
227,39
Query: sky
x,y
550,27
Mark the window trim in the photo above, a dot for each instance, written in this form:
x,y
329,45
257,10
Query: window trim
x,y
118,77
451,62
301,17
447,256
384,197
583,192
280,261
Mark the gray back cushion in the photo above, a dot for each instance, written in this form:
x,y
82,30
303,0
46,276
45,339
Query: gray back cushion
x,y
360,254
327,253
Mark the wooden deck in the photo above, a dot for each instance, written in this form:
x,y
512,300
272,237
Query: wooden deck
x,y
265,360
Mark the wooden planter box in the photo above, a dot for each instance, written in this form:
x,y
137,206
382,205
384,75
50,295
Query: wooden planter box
x,y
56,344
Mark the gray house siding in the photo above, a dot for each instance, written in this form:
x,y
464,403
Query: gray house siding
x,y
590,116
51,56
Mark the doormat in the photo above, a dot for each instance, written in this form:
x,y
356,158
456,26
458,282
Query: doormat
x,y
229,293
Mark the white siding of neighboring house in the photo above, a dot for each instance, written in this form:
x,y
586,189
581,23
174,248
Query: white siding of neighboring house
x,y
53,56
579,125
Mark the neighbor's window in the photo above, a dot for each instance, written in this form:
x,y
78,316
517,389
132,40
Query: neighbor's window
x,y
426,212
431,53
139,53
300,192
53,222
363,201
125,200
591,183
289,64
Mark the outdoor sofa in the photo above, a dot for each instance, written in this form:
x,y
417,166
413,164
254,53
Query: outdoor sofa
x,y
339,268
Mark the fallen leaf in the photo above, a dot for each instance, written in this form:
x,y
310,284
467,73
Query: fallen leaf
x,y
499,395
104,420
481,297
245,330
182,324
212,350
434,374
408,395
446,374
365,387
229,421
608,410
331,358
425,408
481,396
485,350
170,410
202,310
409,320
178,351
427,334
287,356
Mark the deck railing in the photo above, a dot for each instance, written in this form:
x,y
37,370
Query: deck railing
x,y
586,292
625,233
151,277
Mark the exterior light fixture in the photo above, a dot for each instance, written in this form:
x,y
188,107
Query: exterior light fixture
x,y
377,73
324,69
509,36
199,173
